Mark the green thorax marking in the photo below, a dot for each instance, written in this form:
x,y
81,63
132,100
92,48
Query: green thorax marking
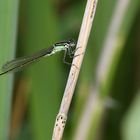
x,y
58,49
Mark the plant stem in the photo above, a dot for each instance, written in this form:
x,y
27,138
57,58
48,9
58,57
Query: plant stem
x,y
75,69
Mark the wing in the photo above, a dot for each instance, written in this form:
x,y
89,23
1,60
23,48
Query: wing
x,y
19,63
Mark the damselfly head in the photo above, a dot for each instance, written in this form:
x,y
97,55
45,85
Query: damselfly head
x,y
67,43
71,43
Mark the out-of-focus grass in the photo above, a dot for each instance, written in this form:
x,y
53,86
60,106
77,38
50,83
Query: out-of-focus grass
x,y
41,24
8,29
131,124
40,30
126,81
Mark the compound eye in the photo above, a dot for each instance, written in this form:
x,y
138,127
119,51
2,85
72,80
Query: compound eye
x,y
66,45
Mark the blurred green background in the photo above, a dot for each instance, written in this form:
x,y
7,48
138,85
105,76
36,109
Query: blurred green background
x,y
30,99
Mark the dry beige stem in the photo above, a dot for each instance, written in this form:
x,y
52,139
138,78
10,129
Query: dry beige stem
x,y
74,72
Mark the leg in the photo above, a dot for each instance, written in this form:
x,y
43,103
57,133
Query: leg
x,y
64,58
71,53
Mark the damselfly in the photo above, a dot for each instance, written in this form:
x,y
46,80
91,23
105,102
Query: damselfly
x,y
19,63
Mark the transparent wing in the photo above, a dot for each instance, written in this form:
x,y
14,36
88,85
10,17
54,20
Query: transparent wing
x,y
19,63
